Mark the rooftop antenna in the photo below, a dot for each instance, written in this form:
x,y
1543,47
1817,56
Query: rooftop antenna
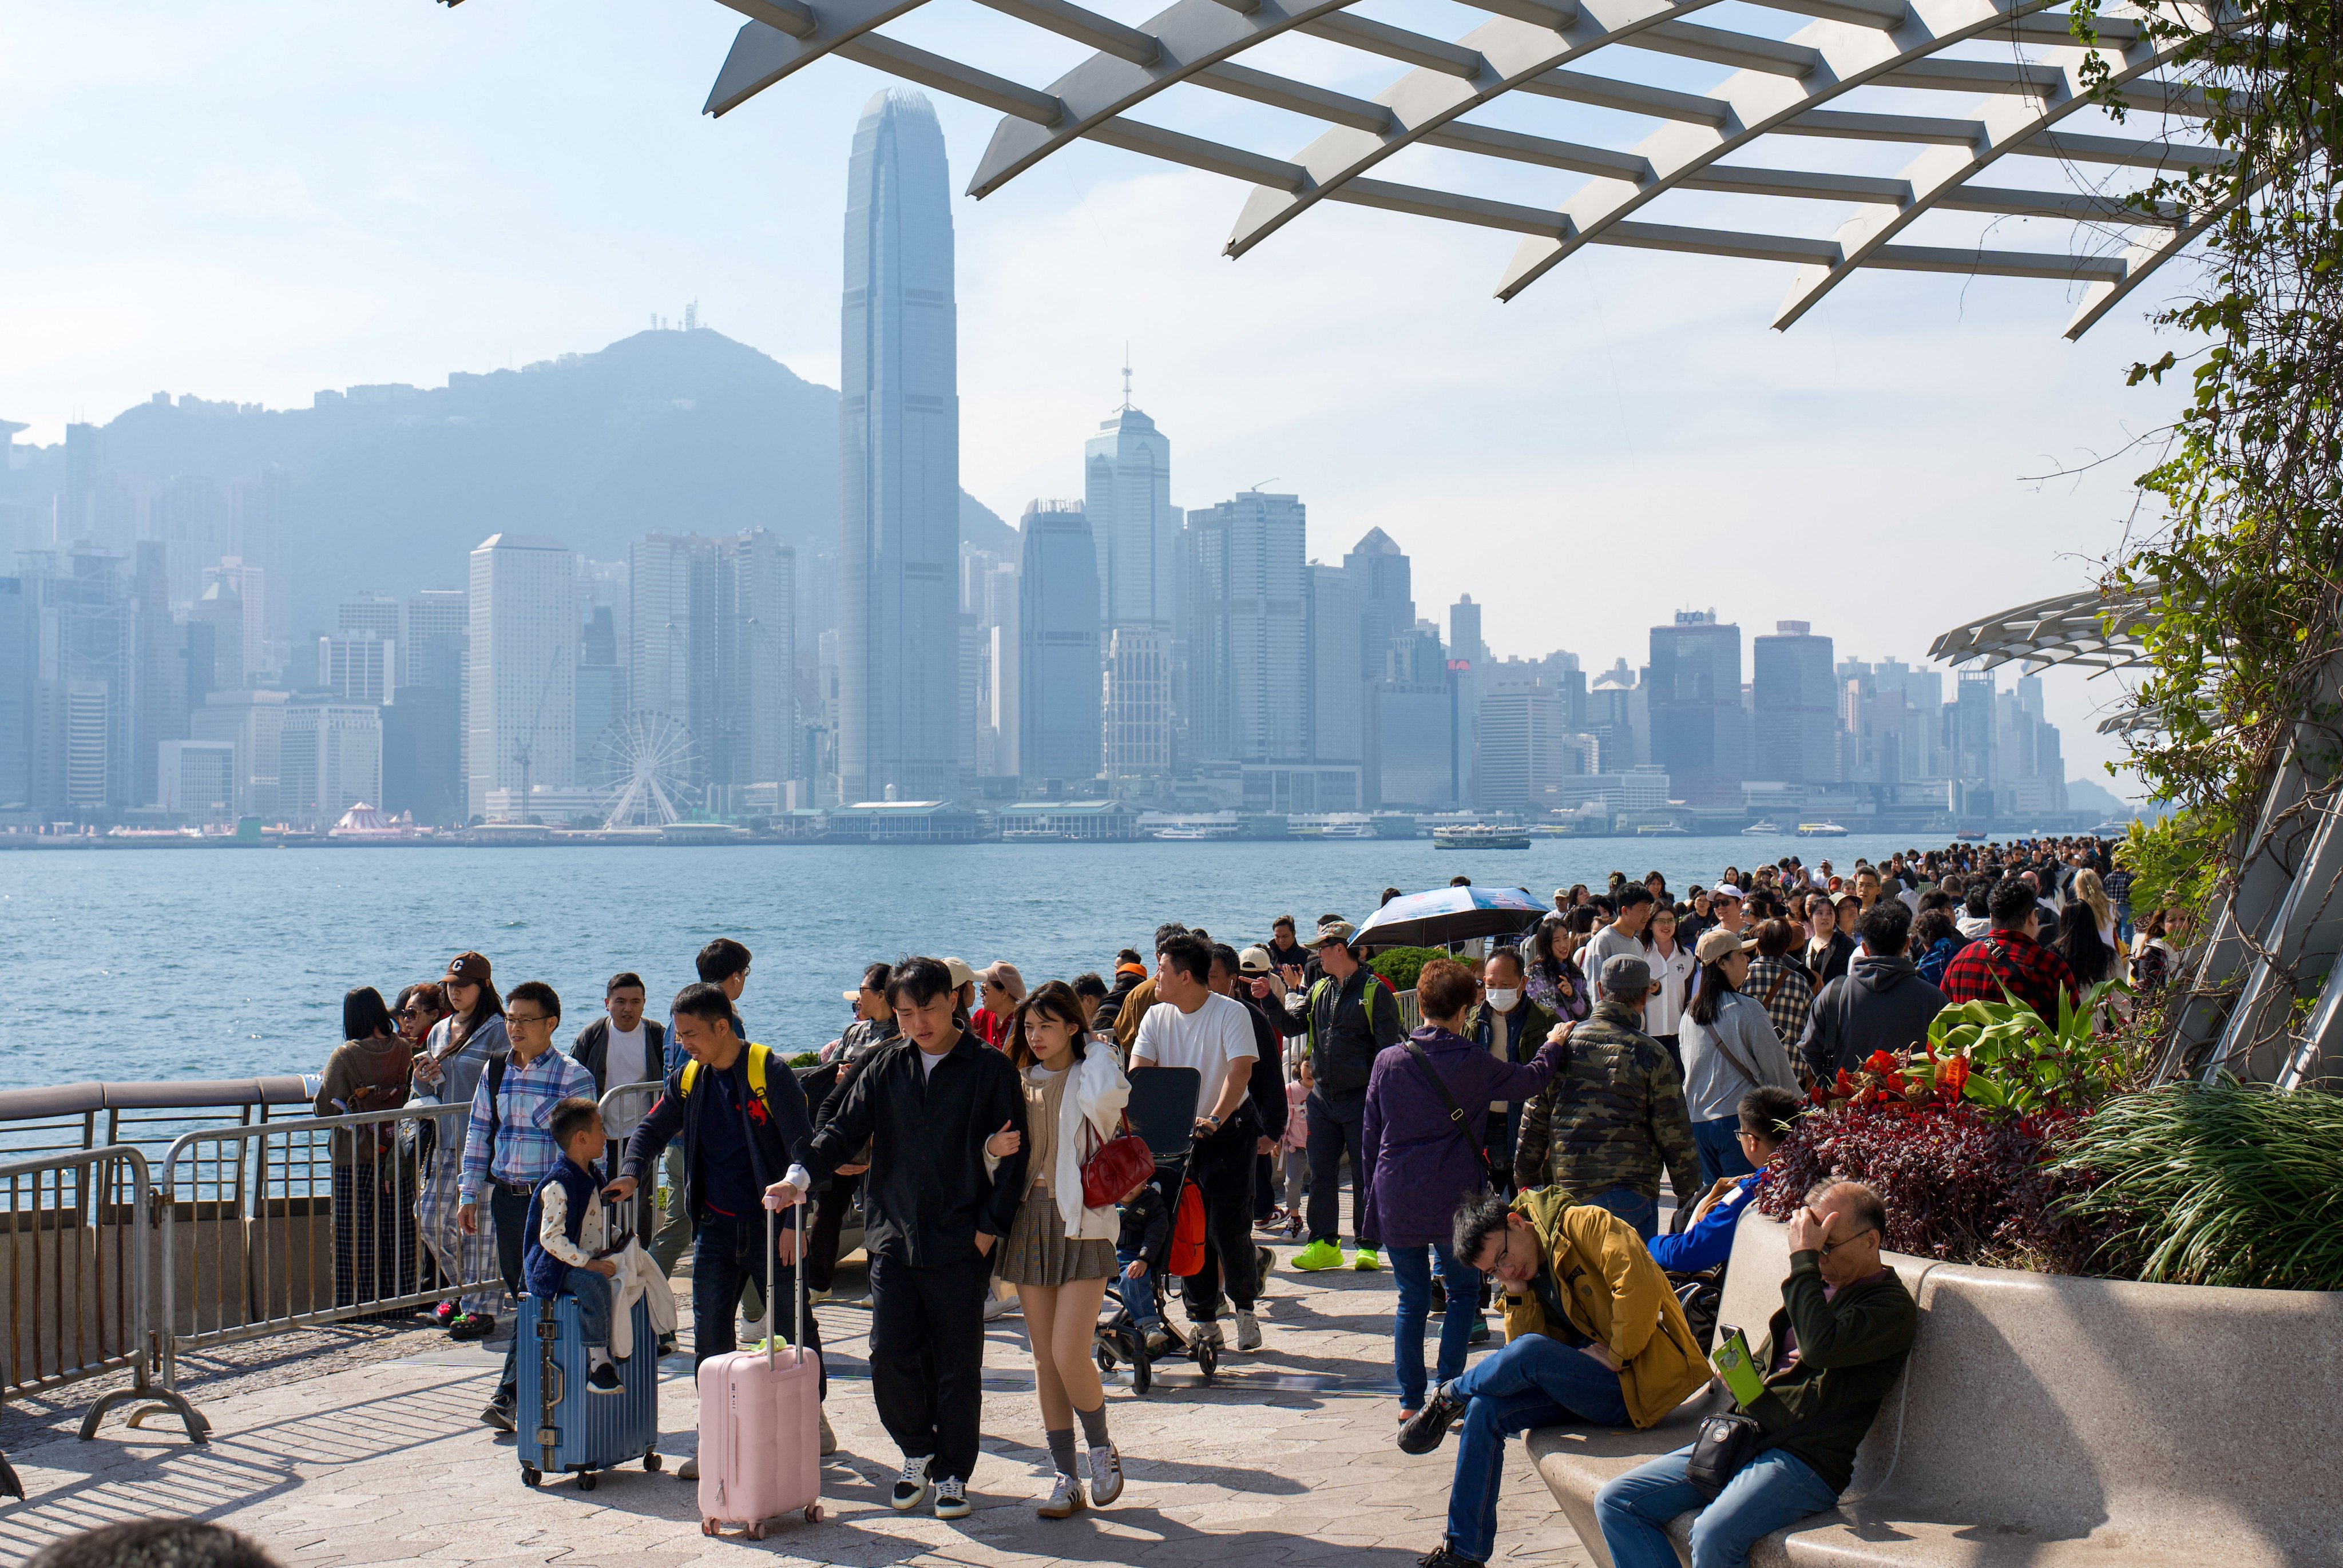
x,y
1255,488
1126,375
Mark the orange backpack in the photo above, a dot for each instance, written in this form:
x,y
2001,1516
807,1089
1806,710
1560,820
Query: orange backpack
x,y
1187,1253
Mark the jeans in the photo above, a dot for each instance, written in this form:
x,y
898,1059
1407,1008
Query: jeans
x,y
1537,1381
511,1212
1720,1153
1637,1209
1222,1168
1772,1491
1297,1179
729,1254
1412,1266
1335,1127
674,1234
591,1291
1139,1295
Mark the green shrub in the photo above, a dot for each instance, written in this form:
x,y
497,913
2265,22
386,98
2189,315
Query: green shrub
x,y
806,1059
2227,1185
1402,965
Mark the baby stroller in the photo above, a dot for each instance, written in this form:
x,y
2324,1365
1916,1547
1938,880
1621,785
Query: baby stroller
x,y
1161,1111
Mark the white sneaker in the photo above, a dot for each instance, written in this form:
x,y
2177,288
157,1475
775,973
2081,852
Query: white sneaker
x,y
912,1486
829,1438
999,1307
952,1498
689,1469
1065,1498
1248,1332
1206,1334
1106,1474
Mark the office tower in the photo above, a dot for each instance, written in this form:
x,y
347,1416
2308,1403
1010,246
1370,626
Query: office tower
x,y
434,627
1699,728
422,755
1057,711
523,710
754,702
83,683
358,667
1127,495
1522,751
197,779
221,612
1248,631
253,592
1137,744
1464,632
190,520
601,693
1615,715
1796,725
899,463
674,633
1379,571
254,723
1337,719
329,758
997,706
1973,727
77,504
1924,698
377,613
19,632
257,507
160,651
1872,719
1412,744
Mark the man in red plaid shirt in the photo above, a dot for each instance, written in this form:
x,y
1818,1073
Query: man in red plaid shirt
x,y
2007,957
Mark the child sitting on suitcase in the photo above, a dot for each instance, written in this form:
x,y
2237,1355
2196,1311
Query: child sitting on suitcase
x,y
568,1230
1139,1258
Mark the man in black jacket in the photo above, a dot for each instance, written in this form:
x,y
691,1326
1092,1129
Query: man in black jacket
x,y
1349,1017
1880,1004
744,1124
642,1041
944,1116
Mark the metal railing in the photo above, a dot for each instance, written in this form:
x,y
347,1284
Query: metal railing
x,y
80,1231
625,1105
296,1224
63,1117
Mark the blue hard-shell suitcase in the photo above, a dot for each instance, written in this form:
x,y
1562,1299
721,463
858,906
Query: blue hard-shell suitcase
x,y
563,1424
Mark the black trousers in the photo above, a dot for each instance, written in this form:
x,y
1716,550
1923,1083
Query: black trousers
x,y
821,1240
927,1358
1334,1128
1264,1187
1222,1169
729,1254
510,1210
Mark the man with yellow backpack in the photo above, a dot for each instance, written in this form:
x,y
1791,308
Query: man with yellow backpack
x,y
745,1125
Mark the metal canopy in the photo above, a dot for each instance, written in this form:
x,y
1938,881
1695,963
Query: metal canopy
x,y
2092,629
2014,72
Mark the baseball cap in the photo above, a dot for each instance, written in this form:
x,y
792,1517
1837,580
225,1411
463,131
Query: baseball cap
x,y
1716,942
849,994
1253,961
1625,972
1333,932
1724,890
960,973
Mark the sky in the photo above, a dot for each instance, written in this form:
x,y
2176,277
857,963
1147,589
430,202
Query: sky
x,y
253,201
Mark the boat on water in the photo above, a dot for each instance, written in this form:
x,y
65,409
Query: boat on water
x,y
1663,830
1030,835
1192,832
2111,829
1478,837
1820,831
1347,830
1761,831
1971,836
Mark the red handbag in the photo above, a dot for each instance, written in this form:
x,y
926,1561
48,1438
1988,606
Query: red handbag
x,y
1117,1167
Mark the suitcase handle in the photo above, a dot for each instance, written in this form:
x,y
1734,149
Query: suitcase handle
x,y
798,1272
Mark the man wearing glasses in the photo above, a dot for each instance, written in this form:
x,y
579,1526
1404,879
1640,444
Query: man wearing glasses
x,y
1830,1356
1593,1337
509,1145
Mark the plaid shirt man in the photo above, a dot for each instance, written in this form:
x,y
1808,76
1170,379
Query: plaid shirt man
x,y
2033,974
1787,990
526,1152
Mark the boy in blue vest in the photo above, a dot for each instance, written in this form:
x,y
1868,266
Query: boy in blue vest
x,y
567,1228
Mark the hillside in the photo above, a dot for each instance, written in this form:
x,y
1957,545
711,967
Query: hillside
x,y
392,486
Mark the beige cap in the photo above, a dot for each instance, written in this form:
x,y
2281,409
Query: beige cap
x,y
1253,961
960,973
1716,942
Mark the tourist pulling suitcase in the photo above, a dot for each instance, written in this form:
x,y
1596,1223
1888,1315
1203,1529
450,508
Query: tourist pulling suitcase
x,y
761,1423
579,1428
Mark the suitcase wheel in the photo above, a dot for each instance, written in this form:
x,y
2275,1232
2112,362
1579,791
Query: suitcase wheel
x,y
651,1461
585,1481
755,1530
813,1514
709,1527
530,1477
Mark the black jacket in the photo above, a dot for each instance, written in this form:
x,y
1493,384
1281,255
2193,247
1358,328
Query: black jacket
x,y
1110,1006
1880,1004
1346,1030
592,1049
1267,1085
927,1196
774,1142
1836,958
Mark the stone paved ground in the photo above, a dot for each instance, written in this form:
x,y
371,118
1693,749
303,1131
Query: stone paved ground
x,y
1288,1460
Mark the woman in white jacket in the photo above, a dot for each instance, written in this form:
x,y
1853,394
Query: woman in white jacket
x,y
1059,1254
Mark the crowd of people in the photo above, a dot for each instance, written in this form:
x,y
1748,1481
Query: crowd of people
x,y
1509,1148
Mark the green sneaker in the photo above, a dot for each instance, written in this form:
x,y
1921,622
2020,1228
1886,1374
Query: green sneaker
x,y
1319,1256
1366,1259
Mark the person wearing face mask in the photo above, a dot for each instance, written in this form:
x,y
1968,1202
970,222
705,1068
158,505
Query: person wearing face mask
x,y
1510,1027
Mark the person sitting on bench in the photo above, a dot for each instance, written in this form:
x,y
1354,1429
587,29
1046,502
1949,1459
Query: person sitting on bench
x,y
1766,1114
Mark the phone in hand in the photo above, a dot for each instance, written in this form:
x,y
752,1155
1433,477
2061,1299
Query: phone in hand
x,y
1737,1365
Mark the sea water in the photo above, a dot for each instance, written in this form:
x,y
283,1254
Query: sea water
x,y
226,963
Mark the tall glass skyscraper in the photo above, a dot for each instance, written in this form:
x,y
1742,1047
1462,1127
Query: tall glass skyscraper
x,y
898,464
1058,656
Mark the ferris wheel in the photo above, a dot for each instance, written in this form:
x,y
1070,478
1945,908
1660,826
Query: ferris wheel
x,y
648,757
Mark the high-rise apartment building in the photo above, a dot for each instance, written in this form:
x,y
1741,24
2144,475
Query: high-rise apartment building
x,y
1059,722
1248,643
1699,727
522,714
898,462
1796,724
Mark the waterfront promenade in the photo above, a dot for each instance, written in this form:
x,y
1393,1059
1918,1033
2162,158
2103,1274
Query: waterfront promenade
x,y
367,1449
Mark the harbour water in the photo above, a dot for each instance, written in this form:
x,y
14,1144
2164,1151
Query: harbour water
x,y
233,963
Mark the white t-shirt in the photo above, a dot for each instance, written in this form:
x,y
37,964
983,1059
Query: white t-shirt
x,y
625,1061
1207,1040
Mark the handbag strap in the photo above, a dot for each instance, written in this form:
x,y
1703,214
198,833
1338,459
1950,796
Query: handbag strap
x,y
1726,1051
1456,1111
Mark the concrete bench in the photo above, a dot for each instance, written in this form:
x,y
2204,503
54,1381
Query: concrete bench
x,y
2047,1422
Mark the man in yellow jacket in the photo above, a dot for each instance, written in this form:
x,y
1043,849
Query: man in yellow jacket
x,y
1592,1334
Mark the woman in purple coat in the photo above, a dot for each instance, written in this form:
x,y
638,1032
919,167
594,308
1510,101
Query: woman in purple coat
x,y
1424,1164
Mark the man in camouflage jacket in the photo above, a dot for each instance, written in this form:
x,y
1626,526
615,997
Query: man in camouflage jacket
x,y
1614,1116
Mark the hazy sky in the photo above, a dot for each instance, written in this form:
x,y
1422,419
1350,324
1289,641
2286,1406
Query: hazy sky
x,y
256,200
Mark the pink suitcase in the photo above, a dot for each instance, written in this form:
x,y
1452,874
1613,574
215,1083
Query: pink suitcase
x,y
760,1425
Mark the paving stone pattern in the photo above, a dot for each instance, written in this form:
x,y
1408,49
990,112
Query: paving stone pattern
x,y
371,1452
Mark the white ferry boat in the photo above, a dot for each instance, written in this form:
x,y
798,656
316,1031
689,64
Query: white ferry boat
x,y
1820,831
1478,837
1189,832
1761,831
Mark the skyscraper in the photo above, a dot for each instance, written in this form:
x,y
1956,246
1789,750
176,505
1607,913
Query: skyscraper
x,y
1379,570
1337,698
1699,728
523,707
1796,719
1464,632
755,702
1057,648
899,463
1127,495
1249,633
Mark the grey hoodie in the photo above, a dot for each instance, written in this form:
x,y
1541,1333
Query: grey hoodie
x,y
1881,1004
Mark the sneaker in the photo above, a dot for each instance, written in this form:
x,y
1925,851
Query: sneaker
x,y
1065,1499
1440,1557
445,1314
1366,1259
689,1469
1439,1307
1480,1331
604,1378
1106,1474
498,1414
1319,1256
912,1486
829,1438
1159,1339
667,1344
469,1326
1206,1334
1422,1432
1248,1330
952,1498
999,1307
